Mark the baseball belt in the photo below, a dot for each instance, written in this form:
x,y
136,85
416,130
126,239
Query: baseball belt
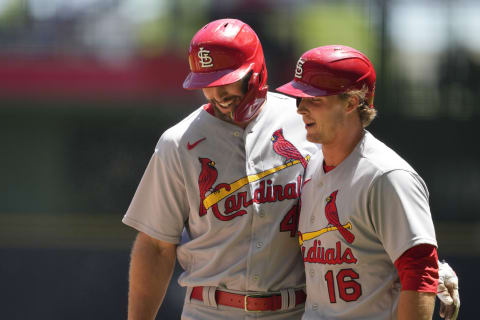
x,y
249,302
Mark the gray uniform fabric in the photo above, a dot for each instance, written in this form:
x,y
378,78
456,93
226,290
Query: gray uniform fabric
x,y
383,203
245,241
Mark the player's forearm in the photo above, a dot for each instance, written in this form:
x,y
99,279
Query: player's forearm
x,y
151,269
416,305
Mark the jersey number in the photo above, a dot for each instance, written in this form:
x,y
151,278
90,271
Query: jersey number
x,y
348,288
290,222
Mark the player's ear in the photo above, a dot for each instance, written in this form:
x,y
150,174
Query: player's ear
x,y
352,102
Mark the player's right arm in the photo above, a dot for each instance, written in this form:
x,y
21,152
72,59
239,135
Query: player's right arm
x,y
416,305
151,268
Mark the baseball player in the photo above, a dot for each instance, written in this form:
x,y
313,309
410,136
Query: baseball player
x,y
366,233
230,174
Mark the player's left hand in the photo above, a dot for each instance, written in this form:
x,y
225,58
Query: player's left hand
x,y
448,292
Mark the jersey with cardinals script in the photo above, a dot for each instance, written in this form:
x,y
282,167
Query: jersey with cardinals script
x,y
356,220
235,191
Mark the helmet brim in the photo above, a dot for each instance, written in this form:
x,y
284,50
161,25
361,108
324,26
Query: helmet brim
x,y
198,80
302,90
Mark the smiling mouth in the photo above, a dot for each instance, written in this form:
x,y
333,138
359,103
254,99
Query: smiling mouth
x,y
226,104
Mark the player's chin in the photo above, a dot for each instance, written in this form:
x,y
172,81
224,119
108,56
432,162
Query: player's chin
x,y
314,137
313,134
311,138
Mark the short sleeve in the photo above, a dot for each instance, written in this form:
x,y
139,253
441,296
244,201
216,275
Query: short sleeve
x,y
159,207
400,212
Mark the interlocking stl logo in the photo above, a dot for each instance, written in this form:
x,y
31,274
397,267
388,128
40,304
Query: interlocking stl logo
x,y
299,69
205,59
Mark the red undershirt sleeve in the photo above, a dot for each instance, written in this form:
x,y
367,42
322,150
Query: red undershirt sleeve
x,y
418,268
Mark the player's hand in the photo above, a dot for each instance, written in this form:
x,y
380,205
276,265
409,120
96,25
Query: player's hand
x,y
448,292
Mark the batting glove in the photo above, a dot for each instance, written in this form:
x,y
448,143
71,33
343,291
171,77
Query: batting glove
x,y
448,292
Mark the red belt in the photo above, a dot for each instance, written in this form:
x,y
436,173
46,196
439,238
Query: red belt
x,y
249,302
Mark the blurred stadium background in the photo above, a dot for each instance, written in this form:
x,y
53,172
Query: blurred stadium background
x,y
88,86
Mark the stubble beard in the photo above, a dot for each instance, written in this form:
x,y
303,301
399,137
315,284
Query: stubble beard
x,y
228,117
326,132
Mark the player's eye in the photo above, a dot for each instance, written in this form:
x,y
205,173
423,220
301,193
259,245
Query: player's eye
x,y
299,100
317,100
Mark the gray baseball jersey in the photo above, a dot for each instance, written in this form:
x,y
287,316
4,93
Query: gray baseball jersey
x,y
356,220
236,193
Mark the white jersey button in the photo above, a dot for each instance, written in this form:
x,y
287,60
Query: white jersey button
x,y
312,219
259,244
255,277
236,134
312,272
261,214
314,306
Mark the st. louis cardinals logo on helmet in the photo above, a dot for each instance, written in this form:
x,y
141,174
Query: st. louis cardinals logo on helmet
x,y
204,58
299,68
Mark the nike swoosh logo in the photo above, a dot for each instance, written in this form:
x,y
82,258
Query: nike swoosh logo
x,y
191,146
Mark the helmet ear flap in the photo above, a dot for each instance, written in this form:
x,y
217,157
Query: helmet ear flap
x,y
253,81
256,79
255,95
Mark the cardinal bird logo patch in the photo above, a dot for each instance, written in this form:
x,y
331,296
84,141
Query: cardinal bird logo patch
x,y
206,179
331,213
286,149
334,224
326,252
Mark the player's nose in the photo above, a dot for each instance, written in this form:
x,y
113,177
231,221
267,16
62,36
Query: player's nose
x,y
301,106
219,93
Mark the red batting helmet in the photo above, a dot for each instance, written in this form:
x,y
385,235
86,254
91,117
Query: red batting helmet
x,y
331,70
223,52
